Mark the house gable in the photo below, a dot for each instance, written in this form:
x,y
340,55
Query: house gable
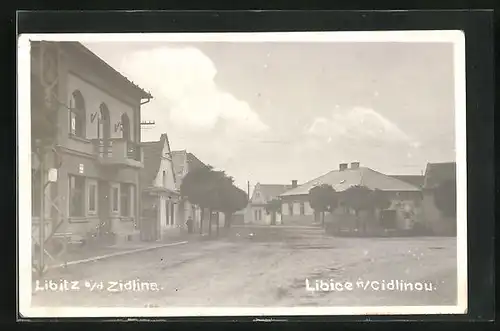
x,y
257,196
263,193
165,176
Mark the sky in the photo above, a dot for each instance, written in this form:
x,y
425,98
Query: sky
x,y
273,112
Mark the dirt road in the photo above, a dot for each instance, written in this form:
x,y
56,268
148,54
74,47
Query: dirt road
x,y
272,267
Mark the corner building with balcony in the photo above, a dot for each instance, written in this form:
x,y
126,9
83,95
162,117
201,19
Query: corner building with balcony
x,y
98,135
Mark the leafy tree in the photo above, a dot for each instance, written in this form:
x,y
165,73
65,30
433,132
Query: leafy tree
x,y
233,199
358,198
322,198
214,195
379,200
445,198
215,191
196,186
363,198
273,207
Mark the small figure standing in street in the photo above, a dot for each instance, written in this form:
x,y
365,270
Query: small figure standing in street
x,y
189,224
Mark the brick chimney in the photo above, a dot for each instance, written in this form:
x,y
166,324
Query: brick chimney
x,y
354,165
343,166
294,183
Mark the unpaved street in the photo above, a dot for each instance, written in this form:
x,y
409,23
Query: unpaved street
x,y
269,268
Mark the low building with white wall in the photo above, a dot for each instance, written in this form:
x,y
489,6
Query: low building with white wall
x,y
160,197
405,198
262,194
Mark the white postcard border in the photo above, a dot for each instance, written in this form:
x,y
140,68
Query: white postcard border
x,y
24,187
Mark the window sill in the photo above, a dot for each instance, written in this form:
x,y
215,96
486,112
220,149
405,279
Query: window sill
x,y
83,140
78,220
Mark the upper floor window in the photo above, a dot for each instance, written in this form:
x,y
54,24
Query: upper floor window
x,y
164,178
77,116
103,123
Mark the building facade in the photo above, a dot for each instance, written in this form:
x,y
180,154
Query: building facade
x,y
256,212
404,198
160,196
97,143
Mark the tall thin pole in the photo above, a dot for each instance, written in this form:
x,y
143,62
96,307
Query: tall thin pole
x,y
42,213
248,190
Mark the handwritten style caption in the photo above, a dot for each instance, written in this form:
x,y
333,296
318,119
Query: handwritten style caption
x,y
323,285
64,285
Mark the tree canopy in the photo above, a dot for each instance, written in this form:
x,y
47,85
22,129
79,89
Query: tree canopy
x,y
273,206
445,198
196,184
322,198
360,197
214,190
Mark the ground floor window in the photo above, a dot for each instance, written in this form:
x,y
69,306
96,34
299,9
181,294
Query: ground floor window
x,y
35,193
258,215
92,197
76,196
115,198
302,209
126,201
290,208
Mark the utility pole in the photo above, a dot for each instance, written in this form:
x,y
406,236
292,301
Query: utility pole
x,y
248,190
41,169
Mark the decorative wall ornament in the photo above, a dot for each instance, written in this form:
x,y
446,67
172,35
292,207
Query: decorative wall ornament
x,y
118,126
93,117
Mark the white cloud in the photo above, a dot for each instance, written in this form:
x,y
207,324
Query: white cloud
x,y
358,124
182,82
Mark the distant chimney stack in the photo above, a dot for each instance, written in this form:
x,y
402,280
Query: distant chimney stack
x,y
354,165
343,166
294,183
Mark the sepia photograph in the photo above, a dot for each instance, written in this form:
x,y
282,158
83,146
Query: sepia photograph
x,y
242,174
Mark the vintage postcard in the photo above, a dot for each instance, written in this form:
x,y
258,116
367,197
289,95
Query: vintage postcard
x,y
242,174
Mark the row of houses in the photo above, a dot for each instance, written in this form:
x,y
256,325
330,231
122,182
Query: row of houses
x,y
108,181
411,197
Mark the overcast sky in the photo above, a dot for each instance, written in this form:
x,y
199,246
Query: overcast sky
x,y
274,112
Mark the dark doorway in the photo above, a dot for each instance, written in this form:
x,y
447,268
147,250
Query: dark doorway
x,y
104,207
388,219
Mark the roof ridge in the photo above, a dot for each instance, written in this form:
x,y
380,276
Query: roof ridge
x,y
314,179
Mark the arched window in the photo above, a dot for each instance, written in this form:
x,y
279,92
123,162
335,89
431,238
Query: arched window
x,y
125,127
103,124
77,116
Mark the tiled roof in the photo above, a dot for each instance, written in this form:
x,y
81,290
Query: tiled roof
x,y
342,180
152,151
270,191
183,163
416,180
436,173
